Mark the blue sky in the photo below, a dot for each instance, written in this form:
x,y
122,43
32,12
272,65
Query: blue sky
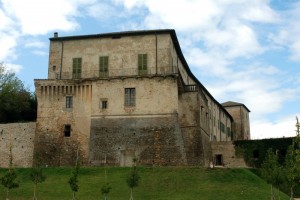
x,y
246,51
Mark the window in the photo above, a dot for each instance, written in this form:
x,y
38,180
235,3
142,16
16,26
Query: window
x,y
69,102
67,130
103,66
214,121
142,64
129,96
77,68
228,132
104,104
222,127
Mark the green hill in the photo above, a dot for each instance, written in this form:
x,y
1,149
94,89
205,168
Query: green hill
x,y
158,183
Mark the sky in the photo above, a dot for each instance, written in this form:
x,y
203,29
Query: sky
x,y
246,51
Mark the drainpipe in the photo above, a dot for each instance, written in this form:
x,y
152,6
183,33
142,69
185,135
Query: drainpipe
x,y
242,134
156,53
61,59
219,125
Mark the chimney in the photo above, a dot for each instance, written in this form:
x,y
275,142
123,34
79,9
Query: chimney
x,y
55,35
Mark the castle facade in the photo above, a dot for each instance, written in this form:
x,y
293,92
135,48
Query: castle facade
x,y
124,95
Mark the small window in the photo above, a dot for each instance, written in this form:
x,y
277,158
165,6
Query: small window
x,y
69,102
67,130
142,64
104,104
129,96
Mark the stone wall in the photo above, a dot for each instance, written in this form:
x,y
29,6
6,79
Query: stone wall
x,y
194,128
228,156
153,140
20,136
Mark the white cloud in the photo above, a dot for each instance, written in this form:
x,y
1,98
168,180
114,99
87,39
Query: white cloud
x,y
211,63
283,127
13,67
8,41
102,10
40,53
288,35
34,17
39,17
35,44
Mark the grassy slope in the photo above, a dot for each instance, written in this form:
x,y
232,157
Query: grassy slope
x,y
156,184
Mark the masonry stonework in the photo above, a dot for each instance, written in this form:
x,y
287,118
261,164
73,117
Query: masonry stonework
x,y
225,151
20,137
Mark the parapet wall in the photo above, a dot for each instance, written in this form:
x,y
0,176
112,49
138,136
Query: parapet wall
x,y
20,136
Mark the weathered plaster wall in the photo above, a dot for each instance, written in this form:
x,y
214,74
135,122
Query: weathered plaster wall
x,y
20,136
154,95
227,150
122,52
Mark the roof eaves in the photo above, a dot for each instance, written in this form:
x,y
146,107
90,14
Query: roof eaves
x,y
243,105
112,35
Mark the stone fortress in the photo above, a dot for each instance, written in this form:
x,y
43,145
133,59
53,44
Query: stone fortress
x,y
121,95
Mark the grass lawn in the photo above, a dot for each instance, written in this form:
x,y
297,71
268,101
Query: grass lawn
x,y
158,183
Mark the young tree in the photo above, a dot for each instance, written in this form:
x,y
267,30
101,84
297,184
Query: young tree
x,y
17,103
292,162
73,181
36,176
9,178
272,171
133,178
106,187
105,190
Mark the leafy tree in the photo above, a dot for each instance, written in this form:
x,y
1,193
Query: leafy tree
x,y
292,162
37,176
17,103
272,171
133,178
73,181
8,180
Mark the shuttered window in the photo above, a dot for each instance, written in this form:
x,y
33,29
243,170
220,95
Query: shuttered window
x,y
142,64
103,66
77,62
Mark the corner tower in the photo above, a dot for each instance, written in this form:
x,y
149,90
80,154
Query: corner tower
x,y
241,122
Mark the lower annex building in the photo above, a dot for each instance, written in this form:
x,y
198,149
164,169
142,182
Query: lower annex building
x,y
116,96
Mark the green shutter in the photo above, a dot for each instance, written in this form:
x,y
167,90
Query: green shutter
x,y
145,62
142,64
74,67
103,66
77,62
140,61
